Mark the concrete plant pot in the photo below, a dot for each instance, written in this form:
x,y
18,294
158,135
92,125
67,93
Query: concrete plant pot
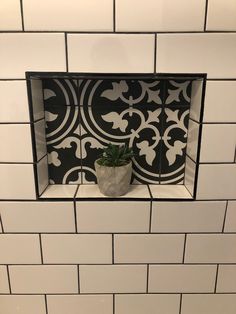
x,y
113,181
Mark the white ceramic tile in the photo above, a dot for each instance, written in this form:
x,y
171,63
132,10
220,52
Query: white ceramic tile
x,y
68,16
147,303
155,248
92,190
230,221
17,181
108,53
181,278
14,101
77,249
37,217
10,15
40,139
210,248
60,191
215,150
216,181
189,175
113,278
22,52
159,15
22,304
208,304
42,172
197,53
169,191
226,281
192,141
37,98
113,216
16,144
44,279
188,216
19,249
86,304
220,101
196,100
4,284
221,15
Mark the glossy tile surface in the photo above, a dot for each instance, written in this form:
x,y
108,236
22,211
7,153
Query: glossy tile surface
x,y
197,53
108,53
169,191
10,15
26,51
221,15
73,16
11,135
159,15
23,304
59,191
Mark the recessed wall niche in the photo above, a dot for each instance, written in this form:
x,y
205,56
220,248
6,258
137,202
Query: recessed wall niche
x,y
75,115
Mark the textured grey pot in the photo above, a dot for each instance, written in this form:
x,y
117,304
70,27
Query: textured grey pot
x,y
113,181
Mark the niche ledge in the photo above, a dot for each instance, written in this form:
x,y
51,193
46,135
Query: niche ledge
x,y
136,192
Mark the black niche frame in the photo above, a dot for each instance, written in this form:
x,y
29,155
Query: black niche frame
x,y
38,76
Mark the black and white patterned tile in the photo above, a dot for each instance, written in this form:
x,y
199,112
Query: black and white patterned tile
x,y
150,116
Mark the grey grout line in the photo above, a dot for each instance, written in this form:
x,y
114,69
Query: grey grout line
x,y
1,223
114,303
206,13
9,281
184,250
216,280
22,15
226,209
155,53
78,269
46,303
180,303
113,248
41,248
66,52
114,16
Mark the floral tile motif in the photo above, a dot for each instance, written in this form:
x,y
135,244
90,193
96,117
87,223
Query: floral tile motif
x,y
149,115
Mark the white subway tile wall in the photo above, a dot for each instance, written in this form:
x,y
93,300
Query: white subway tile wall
x,y
162,257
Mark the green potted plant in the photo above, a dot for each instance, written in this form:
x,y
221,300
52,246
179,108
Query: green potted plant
x,y
114,170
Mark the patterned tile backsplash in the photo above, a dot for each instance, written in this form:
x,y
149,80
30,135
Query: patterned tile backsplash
x,y
82,116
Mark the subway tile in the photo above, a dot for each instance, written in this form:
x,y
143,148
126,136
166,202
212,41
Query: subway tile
x,y
147,303
192,141
23,304
77,249
85,304
196,100
22,52
220,101
210,248
188,216
113,278
197,53
230,221
36,98
156,248
42,173
40,139
17,181
10,15
68,16
169,191
14,102
226,281
208,303
216,181
44,279
221,15
16,144
19,249
213,150
4,284
113,216
181,278
60,191
157,15
189,175
109,53
92,191
37,217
